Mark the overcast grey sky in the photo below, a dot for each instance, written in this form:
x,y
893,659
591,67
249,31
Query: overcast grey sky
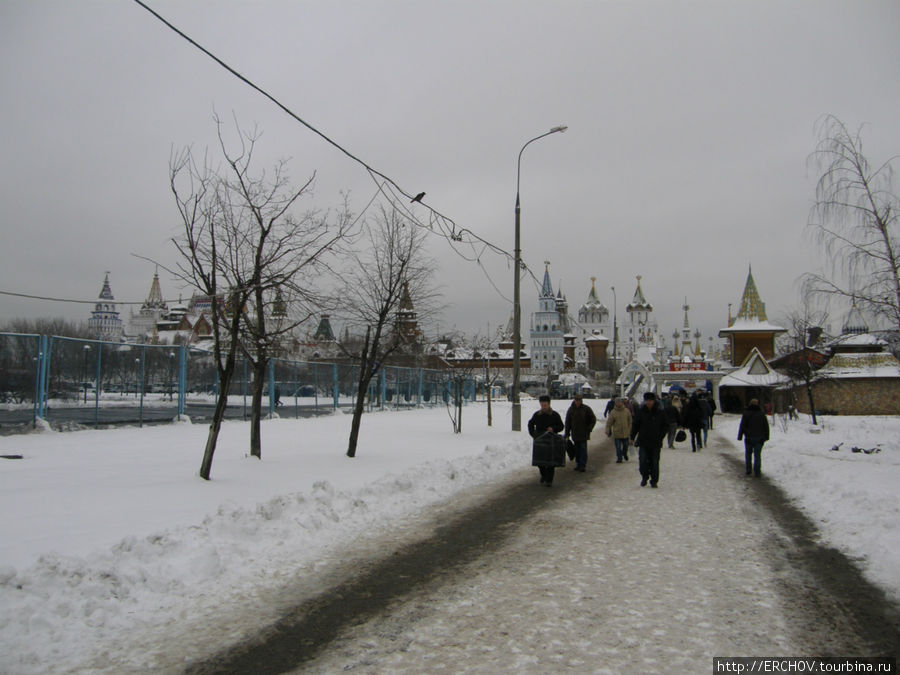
x,y
685,161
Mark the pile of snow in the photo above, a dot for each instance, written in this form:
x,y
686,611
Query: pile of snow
x,y
114,547
118,557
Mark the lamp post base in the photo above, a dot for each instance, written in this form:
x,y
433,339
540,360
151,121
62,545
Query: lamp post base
x,y
516,416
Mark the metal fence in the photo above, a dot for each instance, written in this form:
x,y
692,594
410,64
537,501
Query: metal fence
x,y
68,381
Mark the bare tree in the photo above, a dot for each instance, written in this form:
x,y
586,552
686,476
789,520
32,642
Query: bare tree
x,y
855,220
461,371
287,253
240,243
481,347
391,265
800,363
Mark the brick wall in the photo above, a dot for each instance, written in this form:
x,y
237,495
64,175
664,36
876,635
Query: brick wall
x,y
857,396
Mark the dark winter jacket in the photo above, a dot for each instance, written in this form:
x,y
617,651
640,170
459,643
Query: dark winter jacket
x,y
693,416
545,421
672,414
580,421
649,427
754,424
705,408
609,406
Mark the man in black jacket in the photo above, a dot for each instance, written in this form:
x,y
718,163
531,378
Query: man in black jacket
x,y
647,433
754,429
545,419
673,420
580,421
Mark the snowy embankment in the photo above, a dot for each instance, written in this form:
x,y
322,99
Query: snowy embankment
x,y
113,545
118,557
853,498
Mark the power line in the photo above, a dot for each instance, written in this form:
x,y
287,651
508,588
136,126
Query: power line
x,y
446,226
293,115
80,302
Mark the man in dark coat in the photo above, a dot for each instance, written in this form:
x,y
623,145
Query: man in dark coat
x,y
545,419
693,419
712,408
580,421
754,429
647,432
707,415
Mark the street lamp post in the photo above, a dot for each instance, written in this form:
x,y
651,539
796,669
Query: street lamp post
x,y
517,307
615,336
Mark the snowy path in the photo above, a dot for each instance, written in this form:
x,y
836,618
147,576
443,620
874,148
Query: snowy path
x,y
607,576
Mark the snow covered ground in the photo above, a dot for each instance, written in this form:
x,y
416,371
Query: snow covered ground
x,y
113,546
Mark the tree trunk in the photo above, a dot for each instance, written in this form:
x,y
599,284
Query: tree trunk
x,y
364,378
358,409
812,405
218,415
459,406
490,415
259,381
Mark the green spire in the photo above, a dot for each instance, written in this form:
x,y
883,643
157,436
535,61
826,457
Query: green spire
x,y
751,305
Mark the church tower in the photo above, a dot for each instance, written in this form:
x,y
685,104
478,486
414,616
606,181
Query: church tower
x,y
593,331
642,329
407,319
687,347
105,322
143,324
750,328
593,316
854,323
547,344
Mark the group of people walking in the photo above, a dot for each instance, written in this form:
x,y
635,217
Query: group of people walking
x,y
647,427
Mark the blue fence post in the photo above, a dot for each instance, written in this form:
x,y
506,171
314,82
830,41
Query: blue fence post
x,y
182,379
45,376
271,387
42,374
316,387
143,375
37,383
97,383
383,385
421,375
335,387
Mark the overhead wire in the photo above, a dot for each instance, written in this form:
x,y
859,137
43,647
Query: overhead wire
x,y
447,227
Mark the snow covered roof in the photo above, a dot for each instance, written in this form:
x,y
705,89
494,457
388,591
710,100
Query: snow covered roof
x,y
857,340
754,372
852,365
467,354
751,326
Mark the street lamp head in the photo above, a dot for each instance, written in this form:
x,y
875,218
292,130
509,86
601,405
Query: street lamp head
x,y
560,128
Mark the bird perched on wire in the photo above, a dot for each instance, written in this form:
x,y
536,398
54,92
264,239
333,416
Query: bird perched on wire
x,y
417,198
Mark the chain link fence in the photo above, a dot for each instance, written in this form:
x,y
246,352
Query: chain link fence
x,y
71,382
